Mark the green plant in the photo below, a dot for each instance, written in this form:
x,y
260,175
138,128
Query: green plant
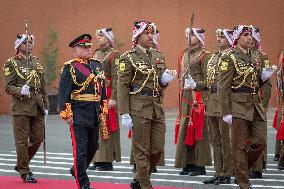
x,y
50,58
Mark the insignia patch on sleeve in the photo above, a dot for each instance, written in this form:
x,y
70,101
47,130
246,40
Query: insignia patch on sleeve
x,y
7,71
266,63
224,65
122,66
116,62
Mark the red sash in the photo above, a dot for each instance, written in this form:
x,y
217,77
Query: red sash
x,y
112,121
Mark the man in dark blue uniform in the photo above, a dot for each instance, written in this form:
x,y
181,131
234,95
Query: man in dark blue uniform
x,y
83,105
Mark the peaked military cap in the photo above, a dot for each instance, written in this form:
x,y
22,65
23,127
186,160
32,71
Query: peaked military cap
x,y
82,40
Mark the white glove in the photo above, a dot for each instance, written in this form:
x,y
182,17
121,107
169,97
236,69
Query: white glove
x,y
126,121
189,83
266,73
228,119
45,112
168,76
25,90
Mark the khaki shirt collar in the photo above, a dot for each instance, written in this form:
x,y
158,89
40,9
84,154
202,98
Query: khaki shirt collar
x,y
243,50
144,50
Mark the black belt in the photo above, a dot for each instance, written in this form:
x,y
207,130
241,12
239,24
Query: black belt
x,y
245,89
146,91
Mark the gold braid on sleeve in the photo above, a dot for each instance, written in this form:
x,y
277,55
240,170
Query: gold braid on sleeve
x,y
105,134
67,113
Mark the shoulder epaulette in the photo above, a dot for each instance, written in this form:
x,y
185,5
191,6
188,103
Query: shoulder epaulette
x,y
69,61
126,53
35,57
228,51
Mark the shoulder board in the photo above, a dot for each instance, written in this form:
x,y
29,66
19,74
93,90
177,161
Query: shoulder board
x,y
69,61
95,59
35,57
228,51
127,52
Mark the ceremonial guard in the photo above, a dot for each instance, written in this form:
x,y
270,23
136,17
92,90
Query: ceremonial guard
x,y
278,122
258,57
218,129
161,162
83,105
239,81
24,81
109,149
191,132
142,78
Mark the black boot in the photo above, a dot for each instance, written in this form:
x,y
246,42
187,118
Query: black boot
x,y
135,184
198,171
255,175
105,167
29,179
223,180
211,180
71,171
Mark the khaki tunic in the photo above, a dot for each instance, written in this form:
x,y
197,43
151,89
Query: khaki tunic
x,y
141,71
109,150
265,94
27,111
199,154
237,90
218,129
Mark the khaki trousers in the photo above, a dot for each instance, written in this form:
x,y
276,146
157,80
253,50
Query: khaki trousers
x,y
148,140
248,139
220,141
28,135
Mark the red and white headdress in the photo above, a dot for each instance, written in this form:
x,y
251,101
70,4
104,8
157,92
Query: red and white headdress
x,y
108,33
227,33
199,33
239,30
138,28
256,36
22,38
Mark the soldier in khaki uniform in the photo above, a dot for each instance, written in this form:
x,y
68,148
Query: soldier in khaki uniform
x,y
241,107
109,148
161,162
258,57
218,129
195,156
142,78
24,81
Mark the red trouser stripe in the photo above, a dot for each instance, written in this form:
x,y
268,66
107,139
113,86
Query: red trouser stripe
x,y
74,154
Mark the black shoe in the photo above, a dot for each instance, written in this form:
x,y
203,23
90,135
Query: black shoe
x,y
87,187
255,175
186,170
235,181
279,167
95,165
29,179
71,171
276,157
17,169
135,184
211,180
134,168
105,167
154,170
198,171
223,180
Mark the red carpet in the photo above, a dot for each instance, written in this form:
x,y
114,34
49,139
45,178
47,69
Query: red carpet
x,y
10,182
